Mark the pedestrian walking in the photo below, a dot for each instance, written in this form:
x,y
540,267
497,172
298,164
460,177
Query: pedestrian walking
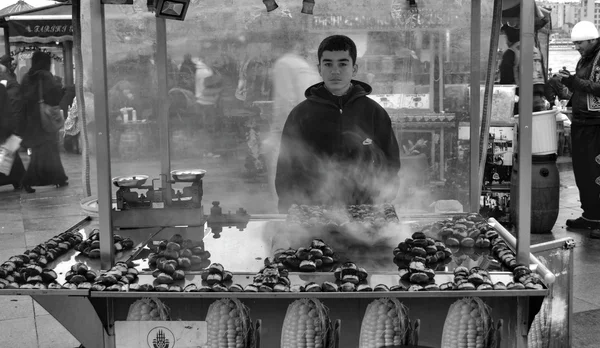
x,y
9,108
45,167
585,127
292,76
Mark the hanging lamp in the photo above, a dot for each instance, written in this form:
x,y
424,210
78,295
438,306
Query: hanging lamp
x,y
270,4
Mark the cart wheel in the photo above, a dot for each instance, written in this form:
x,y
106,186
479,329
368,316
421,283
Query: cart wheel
x,y
416,331
257,328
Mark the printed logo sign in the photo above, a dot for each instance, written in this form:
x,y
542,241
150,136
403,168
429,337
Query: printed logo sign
x,y
160,334
160,337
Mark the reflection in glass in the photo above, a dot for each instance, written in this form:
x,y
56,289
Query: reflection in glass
x,y
223,88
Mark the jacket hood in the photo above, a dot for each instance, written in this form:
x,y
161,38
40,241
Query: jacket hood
x,y
318,92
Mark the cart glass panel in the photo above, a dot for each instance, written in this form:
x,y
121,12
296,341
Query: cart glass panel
x,y
225,110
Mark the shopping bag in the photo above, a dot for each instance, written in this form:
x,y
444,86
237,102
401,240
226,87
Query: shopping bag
x,y
52,116
7,153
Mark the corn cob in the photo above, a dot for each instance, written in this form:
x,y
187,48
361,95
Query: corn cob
x,y
229,324
306,325
148,309
386,323
538,336
468,325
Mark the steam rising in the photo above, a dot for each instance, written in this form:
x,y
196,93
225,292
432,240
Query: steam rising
x,y
358,173
351,241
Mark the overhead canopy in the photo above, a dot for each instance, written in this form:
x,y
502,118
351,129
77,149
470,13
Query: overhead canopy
x,y
19,6
41,25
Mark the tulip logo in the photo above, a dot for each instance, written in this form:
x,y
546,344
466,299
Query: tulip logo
x,y
161,337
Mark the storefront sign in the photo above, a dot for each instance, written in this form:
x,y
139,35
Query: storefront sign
x,y
43,31
160,334
27,51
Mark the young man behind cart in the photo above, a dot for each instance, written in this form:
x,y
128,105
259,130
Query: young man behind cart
x,y
585,127
338,146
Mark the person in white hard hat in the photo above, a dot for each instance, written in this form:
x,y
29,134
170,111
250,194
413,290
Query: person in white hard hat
x,y
585,127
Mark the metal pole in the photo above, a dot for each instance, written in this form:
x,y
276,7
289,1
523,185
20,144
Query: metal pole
x,y
6,40
486,114
68,55
525,132
475,185
162,107
102,139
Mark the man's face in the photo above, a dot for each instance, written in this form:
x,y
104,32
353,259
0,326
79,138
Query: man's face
x,y
336,69
585,47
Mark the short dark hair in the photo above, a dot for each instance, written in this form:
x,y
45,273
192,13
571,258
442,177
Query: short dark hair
x,y
337,43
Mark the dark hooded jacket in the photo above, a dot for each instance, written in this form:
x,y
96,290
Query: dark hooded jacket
x,y
5,115
581,85
13,119
337,151
33,133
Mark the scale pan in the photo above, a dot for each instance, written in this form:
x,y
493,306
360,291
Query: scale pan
x,y
188,175
130,180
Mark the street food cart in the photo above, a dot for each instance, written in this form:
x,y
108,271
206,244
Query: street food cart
x,y
155,238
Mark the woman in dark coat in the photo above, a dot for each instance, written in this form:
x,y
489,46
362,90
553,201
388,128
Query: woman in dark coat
x,y
45,167
7,128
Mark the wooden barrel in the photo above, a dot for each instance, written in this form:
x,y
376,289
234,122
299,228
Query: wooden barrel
x,y
545,193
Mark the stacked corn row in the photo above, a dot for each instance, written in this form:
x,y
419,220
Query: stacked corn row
x,y
472,279
148,309
317,257
538,336
386,323
118,278
171,258
421,248
269,279
306,324
465,232
28,270
468,325
91,246
229,325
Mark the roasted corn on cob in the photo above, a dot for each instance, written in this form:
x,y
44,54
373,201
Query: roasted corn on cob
x,y
148,309
306,325
468,325
538,336
386,323
229,324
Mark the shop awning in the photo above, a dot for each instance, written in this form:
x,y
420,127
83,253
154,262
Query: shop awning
x,y
19,6
41,25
